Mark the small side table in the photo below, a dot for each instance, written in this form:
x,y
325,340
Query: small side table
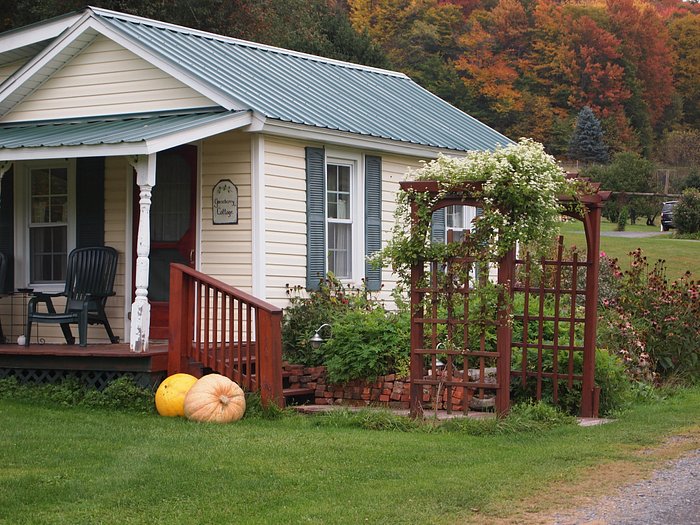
x,y
25,293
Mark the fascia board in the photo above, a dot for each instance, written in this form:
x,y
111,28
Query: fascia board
x,y
69,152
198,132
143,147
25,36
43,59
343,138
171,68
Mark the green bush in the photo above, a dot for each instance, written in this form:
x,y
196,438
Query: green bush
x,y
686,213
622,219
610,376
367,344
309,310
121,394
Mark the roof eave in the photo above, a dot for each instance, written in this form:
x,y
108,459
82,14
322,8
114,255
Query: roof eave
x,y
142,147
355,140
38,32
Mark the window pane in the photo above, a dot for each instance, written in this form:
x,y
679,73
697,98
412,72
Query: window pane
x,y
40,182
332,178
455,217
338,192
340,250
48,254
343,211
59,181
344,179
40,209
59,209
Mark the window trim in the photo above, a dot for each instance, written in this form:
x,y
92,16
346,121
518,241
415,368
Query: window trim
x,y
22,210
357,209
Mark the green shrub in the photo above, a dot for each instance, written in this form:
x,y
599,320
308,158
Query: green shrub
x,y
610,376
120,394
367,344
686,213
622,219
309,310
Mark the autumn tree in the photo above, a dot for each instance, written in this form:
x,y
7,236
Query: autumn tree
x,y
685,37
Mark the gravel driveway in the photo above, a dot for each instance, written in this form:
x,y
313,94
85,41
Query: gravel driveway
x,y
670,497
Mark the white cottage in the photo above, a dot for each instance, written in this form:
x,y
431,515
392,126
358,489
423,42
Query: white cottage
x,y
259,166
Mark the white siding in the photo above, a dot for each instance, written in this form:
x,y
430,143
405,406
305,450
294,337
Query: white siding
x,y
285,213
285,217
105,79
117,175
225,249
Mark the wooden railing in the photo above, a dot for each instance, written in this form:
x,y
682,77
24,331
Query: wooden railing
x,y
226,330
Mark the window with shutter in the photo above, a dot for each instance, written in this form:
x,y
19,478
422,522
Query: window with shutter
x,y
343,216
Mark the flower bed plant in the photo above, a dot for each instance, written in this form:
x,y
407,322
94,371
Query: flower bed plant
x,y
652,323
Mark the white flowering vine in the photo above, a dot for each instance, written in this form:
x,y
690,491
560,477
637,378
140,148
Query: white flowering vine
x,y
519,187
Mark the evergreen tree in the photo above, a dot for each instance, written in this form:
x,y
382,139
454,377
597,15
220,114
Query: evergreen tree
x,y
587,141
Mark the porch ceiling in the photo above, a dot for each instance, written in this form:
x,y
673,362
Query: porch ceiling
x,y
137,134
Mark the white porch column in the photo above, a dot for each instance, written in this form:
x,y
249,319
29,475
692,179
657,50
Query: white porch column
x,y
145,167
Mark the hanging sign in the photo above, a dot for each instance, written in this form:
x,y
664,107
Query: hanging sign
x,y
224,203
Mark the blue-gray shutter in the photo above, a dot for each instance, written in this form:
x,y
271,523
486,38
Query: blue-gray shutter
x,y
437,226
315,217
90,202
7,228
373,218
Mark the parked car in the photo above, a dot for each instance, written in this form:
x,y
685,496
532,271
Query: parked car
x,y
667,215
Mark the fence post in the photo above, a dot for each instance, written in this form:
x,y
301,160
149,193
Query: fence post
x,y
179,322
269,361
591,225
504,332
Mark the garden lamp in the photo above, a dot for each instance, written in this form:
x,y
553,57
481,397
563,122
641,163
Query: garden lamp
x,y
316,340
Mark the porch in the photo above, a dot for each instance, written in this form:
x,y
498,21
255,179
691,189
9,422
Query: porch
x,y
95,365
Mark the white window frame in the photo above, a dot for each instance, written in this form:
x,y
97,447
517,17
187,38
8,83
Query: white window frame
x,y
468,216
22,206
357,210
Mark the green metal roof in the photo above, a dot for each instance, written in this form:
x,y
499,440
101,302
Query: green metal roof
x,y
90,131
305,89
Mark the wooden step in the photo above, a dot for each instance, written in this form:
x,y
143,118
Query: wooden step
x,y
294,392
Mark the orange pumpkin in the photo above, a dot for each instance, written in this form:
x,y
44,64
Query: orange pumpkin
x,y
170,396
215,398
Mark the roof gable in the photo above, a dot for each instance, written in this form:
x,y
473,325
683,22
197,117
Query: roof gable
x,y
105,79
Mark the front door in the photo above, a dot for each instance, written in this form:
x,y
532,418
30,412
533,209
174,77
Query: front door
x,y
173,215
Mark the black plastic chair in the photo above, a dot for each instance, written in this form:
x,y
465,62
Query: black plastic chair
x,y
89,282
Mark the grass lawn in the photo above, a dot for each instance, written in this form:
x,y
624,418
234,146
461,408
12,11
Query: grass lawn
x,y
680,255
74,466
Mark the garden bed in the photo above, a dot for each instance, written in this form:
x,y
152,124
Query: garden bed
x,y
391,391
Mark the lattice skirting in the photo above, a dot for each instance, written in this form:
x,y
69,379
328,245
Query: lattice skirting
x,y
98,379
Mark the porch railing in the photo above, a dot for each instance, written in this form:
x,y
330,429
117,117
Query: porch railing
x,y
226,330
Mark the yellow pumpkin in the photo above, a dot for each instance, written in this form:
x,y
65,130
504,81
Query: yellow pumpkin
x,y
170,396
215,398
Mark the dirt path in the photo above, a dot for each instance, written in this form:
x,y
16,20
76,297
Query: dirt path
x,y
660,486
670,496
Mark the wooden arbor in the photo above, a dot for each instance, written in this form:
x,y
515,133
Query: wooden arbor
x,y
539,332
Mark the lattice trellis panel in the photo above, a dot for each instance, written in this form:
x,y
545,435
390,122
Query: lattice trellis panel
x,y
98,379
